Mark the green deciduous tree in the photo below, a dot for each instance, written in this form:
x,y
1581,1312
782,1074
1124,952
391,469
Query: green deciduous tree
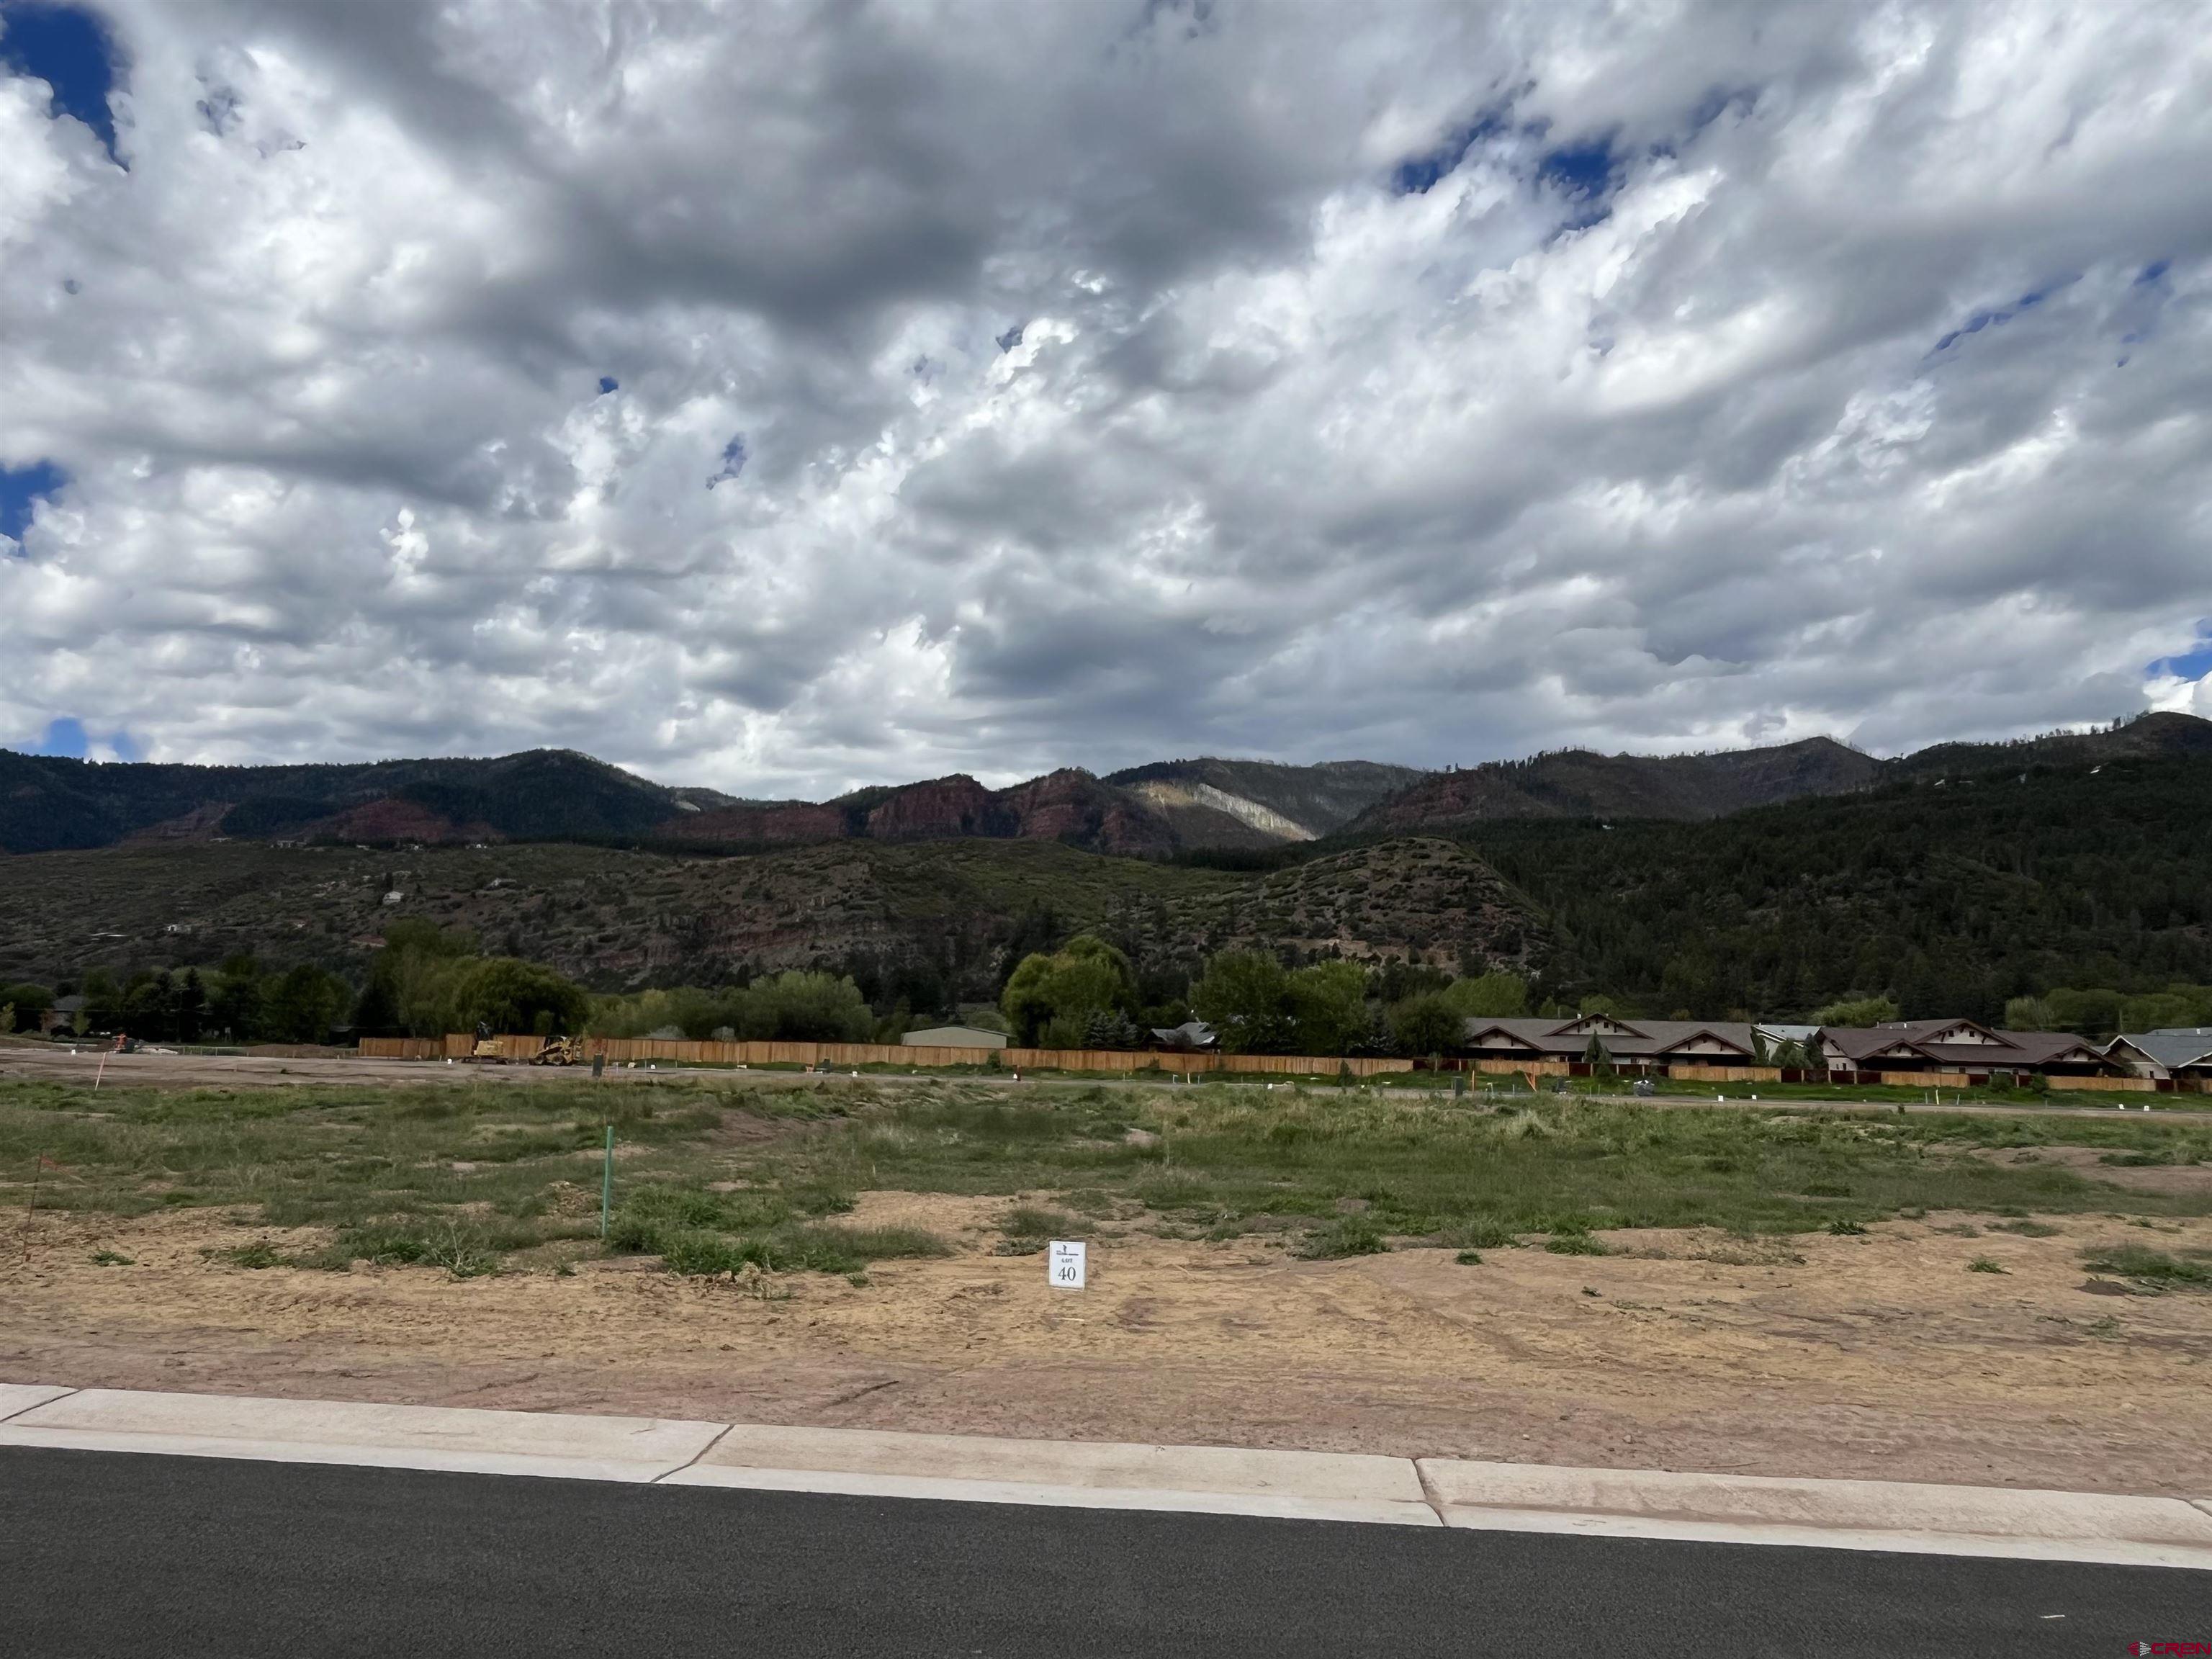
x,y
806,1007
301,1005
1425,1024
29,1002
1245,996
1856,1010
1497,995
508,994
1050,997
1328,1005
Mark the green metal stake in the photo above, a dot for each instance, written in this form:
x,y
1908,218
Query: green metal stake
x,y
607,1183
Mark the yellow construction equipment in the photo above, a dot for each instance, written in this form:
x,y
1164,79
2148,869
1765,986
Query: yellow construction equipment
x,y
561,1051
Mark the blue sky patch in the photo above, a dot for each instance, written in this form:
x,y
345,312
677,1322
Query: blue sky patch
x,y
1418,174
69,49
2193,664
1010,339
733,461
608,383
67,738
1583,171
19,488
64,737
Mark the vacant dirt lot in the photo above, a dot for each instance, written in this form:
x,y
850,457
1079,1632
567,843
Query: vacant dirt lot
x,y
1879,1356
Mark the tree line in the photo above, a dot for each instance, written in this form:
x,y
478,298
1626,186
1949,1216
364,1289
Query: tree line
x,y
1085,995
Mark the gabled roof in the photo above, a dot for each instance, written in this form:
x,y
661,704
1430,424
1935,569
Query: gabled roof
x,y
2170,1048
1624,1039
1191,1034
1908,1038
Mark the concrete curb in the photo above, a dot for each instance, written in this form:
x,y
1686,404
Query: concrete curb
x,y
19,1397
1875,1515
390,1437
1646,1503
1213,1480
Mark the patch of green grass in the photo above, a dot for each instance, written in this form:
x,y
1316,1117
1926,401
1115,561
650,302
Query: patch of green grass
x,y
460,1249
2152,1269
825,1247
2025,1229
1350,1234
1847,1230
1481,1232
1576,1244
1031,1221
1468,1258
1983,1264
111,1259
259,1254
516,1165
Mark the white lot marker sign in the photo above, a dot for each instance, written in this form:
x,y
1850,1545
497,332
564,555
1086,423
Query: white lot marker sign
x,y
1065,1264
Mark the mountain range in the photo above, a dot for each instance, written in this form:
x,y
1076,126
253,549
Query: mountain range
x,y
50,803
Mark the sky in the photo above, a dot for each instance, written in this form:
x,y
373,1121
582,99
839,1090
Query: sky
x,y
787,398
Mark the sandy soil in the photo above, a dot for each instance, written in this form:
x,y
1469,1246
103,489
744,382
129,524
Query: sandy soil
x,y
2191,1179
1879,1356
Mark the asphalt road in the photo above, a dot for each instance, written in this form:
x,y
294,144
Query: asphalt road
x,y
113,1554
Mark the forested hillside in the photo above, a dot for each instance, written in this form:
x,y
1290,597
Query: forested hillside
x,y
1952,895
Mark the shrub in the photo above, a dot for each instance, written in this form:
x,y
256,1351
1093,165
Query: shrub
x,y
1576,1244
1982,1264
2152,1269
1350,1234
1481,1232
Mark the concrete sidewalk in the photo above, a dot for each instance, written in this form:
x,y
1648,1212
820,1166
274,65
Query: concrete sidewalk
x,y
1865,1515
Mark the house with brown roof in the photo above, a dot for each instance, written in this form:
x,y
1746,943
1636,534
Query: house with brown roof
x,y
1957,1047
1627,1041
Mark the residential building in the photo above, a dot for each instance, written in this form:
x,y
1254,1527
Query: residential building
x,y
954,1037
2172,1054
1627,1041
1191,1037
1958,1048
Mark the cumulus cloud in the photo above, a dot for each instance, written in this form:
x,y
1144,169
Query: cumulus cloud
x,y
788,397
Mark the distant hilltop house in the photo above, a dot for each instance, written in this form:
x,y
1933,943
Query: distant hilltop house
x,y
2173,1054
955,1037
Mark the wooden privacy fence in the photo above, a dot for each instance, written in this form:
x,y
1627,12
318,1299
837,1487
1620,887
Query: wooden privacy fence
x,y
460,1045
620,1050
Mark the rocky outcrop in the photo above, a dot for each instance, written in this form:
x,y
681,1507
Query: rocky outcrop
x,y
940,809
1072,806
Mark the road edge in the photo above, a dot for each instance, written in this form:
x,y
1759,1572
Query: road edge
x,y
1639,1504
